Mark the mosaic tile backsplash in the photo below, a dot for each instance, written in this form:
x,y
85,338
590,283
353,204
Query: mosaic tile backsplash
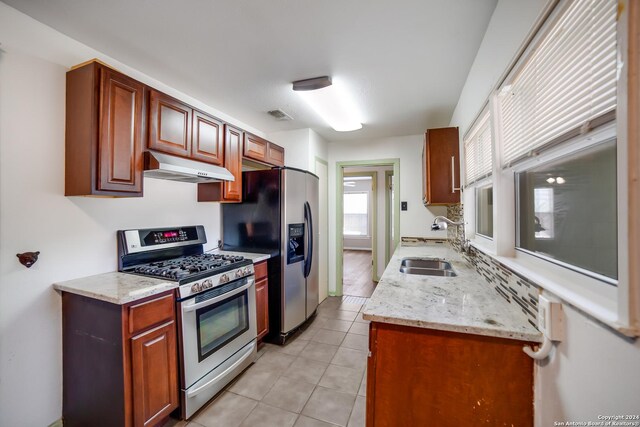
x,y
514,288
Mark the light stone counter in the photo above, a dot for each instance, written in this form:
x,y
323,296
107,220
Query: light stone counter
x,y
117,288
254,257
465,303
122,288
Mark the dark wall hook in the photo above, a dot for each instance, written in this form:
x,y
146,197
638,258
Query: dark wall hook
x,y
28,258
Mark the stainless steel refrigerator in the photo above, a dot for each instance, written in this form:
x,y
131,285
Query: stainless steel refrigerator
x,y
279,215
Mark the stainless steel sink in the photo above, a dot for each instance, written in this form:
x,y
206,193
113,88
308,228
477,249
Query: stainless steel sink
x,y
428,272
426,263
427,267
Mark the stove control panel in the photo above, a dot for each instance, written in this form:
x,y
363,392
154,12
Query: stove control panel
x,y
217,280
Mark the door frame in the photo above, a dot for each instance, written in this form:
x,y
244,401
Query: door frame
x,y
374,218
388,189
395,162
326,208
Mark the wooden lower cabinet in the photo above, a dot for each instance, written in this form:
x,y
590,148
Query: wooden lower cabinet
x,y
424,377
119,361
262,299
155,381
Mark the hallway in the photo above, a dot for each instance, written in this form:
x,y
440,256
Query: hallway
x,y
357,280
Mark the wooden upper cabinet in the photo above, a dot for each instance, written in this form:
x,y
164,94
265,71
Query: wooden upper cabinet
x,y
263,151
233,162
441,167
104,131
255,148
275,155
169,125
207,139
227,191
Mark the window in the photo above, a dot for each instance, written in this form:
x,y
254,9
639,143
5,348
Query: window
x,y
567,211
478,149
558,189
484,211
356,213
567,83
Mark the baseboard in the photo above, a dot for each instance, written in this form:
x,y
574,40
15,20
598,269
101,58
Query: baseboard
x,y
357,249
56,423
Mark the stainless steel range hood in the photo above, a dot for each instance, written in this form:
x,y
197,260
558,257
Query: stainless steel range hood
x,y
173,168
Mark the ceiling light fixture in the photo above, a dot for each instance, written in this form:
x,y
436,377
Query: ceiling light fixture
x,y
560,180
331,101
551,180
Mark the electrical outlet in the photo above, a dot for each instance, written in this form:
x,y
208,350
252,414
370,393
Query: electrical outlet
x,y
403,206
550,318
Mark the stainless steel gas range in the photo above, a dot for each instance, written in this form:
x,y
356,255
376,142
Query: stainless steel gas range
x,y
216,305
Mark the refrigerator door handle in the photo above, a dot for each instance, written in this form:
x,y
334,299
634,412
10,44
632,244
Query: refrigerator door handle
x,y
309,257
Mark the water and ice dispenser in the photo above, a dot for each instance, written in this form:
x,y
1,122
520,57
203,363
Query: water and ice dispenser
x,y
295,243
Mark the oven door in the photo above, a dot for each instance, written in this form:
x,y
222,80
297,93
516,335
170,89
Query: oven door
x,y
215,325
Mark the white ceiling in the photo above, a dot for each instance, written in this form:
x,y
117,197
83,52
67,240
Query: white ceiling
x,y
405,61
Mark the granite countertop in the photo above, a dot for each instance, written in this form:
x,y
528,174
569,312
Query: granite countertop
x,y
116,288
123,288
465,303
254,257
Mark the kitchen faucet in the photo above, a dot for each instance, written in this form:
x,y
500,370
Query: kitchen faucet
x,y
441,222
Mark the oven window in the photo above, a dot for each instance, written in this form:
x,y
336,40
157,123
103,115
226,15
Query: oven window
x,y
220,323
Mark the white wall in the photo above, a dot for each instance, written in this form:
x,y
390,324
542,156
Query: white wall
x,y
296,147
413,222
302,146
76,236
594,371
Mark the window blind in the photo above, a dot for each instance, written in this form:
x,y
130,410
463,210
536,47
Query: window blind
x,y
478,149
566,84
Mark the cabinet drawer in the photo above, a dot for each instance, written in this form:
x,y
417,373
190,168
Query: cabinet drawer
x,y
261,270
149,313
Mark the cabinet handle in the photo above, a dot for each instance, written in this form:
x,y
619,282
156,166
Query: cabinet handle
x,y
453,175
224,373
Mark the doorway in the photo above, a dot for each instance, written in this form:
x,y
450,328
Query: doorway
x,y
360,203
367,220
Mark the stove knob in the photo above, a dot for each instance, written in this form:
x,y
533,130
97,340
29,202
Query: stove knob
x,y
238,273
224,278
247,271
207,284
195,287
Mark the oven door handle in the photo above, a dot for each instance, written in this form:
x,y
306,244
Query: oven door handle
x,y
224,373
193,307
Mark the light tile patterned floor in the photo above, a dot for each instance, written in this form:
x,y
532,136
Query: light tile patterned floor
x,y
316,380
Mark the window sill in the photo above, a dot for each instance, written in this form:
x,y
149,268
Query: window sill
x,y
599,302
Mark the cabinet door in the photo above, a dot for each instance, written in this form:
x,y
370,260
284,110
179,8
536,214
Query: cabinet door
x,y
232,190
424,377
275,155
207,139
262,307
169,125
255,148
441,164
154,375
120,134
